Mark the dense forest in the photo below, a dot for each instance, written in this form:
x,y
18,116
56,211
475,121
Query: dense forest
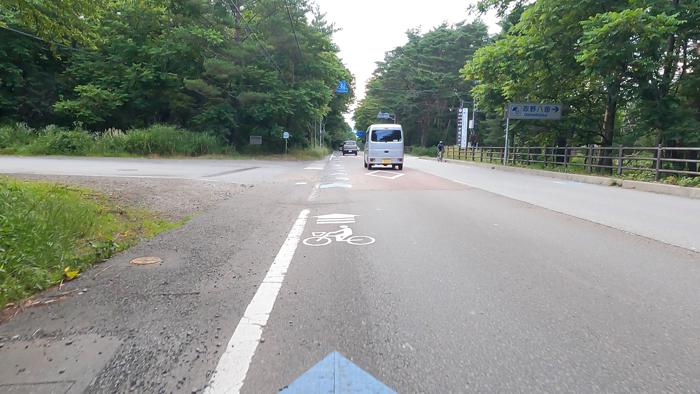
x,y
229,68
625,71
420,82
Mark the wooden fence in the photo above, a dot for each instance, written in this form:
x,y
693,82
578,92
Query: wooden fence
x,y
659,161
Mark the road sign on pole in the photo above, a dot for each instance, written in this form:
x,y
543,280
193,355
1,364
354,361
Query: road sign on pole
x,y
342,87
285,135
531,111
534,111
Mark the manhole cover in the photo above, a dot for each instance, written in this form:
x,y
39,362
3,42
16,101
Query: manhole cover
x,y
146,260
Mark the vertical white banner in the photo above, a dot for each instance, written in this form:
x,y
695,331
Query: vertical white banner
x,y
465,128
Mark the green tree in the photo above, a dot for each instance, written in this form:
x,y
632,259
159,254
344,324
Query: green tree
x,y
420,82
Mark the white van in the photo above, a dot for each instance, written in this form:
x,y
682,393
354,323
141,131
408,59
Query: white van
x,y
384,146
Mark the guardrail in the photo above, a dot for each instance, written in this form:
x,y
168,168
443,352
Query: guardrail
x,y
659,161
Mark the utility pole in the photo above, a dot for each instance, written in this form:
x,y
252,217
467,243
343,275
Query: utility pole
x,y
323,131
237,16
505,150
474,122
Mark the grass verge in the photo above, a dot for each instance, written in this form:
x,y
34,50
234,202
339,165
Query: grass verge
x,y
47,229
158,140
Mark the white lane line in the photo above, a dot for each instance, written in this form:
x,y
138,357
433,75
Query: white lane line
x,y
335,184
233,365
313,168
314,193
300,183
461,183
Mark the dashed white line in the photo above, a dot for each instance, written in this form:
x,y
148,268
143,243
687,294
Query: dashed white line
x,y
335,184
314,193
233,366
461,183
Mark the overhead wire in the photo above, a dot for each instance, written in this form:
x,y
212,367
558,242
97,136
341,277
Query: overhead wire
x,y
246,25
35,37
291,22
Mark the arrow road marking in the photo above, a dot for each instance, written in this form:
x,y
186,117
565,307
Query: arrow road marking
x,y
336,374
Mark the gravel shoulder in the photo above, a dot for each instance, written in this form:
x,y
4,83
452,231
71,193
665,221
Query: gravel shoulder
x,y
174,199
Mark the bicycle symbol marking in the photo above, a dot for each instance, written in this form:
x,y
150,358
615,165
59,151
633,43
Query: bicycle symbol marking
x,y
322,238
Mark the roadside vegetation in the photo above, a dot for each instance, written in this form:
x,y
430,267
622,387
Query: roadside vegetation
x,y
154,141
422,151
625,72
50,232
217,71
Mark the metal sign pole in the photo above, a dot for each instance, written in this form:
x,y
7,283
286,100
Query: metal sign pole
x,y
505,151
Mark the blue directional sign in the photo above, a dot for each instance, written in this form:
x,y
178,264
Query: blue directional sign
x,y
342,87
285,135
534,111
336,374
360,133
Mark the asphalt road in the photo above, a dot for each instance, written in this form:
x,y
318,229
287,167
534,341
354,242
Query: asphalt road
x,y
453,279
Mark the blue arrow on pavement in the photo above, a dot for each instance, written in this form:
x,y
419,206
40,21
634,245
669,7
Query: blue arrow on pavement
x,y
336,374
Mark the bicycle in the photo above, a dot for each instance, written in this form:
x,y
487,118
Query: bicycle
x,y
441,156
344,235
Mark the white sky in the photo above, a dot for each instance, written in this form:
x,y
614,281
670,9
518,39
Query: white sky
x,y
369,28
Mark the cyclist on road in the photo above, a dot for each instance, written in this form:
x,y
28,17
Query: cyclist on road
x,y
441,150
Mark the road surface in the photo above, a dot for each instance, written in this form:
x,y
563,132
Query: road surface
x,y
439,278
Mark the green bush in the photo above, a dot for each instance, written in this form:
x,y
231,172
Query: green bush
x,y
423,151
66,143
315,153
689,181
167,141
45,228
162,140
14,136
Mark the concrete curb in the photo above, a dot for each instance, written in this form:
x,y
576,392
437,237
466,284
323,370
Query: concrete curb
x,y
660,188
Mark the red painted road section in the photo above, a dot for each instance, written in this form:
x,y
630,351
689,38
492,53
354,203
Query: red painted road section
x,y
379,179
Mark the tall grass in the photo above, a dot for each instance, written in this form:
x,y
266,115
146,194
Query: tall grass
x,y
423,151
161,140
156,140
45,228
